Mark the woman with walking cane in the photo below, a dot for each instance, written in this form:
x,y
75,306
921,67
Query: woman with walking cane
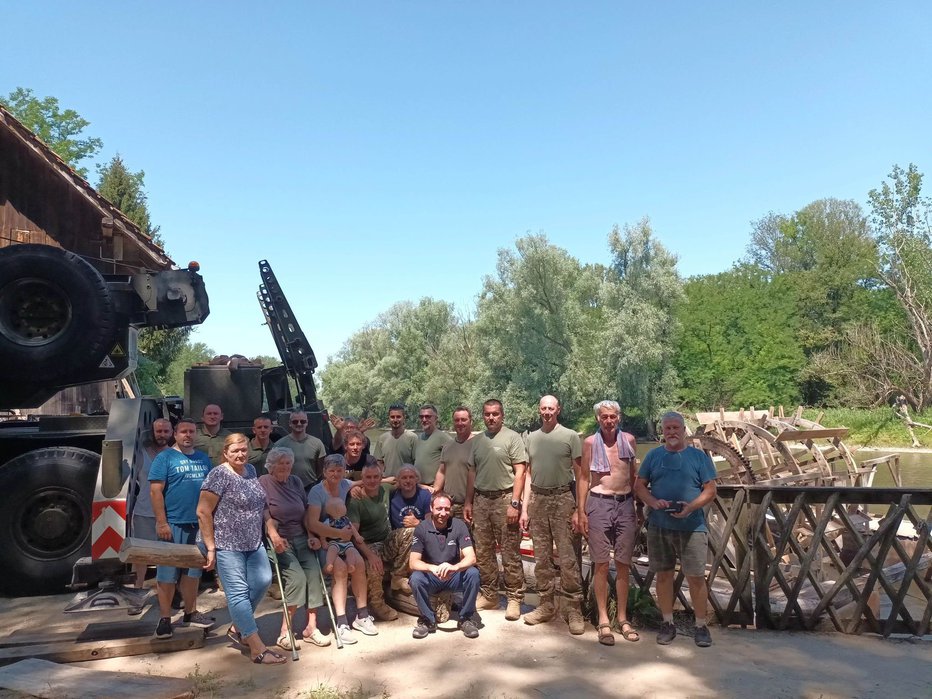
x,y
294,548
230,513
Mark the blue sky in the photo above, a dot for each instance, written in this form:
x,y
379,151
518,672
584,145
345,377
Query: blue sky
x,y
376,152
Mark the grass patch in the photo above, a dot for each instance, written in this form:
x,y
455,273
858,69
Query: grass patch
x,y
323,691
874,427
206,684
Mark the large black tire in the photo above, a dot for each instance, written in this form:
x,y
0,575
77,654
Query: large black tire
x,y
57,314
45,518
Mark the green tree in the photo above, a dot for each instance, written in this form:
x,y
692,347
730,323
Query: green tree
x,y
639,299
737,345
60,130
191,353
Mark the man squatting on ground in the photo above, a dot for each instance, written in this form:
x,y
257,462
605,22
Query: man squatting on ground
x,y
606,514
554,462
443,559
676,481
493,505
175,480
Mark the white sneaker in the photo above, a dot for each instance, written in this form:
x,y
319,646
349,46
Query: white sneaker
x,y
346,634
366,626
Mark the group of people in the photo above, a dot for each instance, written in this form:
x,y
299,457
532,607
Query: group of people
x,y
430,510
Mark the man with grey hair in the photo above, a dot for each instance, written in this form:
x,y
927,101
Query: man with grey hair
x,y
676,481
430,444
407,507
308,450
606,515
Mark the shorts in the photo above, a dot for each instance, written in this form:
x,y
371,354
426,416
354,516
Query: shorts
x,y
664,546
341,546
181,534
144,528
612,527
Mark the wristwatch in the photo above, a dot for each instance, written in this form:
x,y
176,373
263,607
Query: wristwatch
x,y
516,504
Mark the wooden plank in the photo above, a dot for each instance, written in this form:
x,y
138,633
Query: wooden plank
x,y
161,553
800,435
42,678
79,651
101,631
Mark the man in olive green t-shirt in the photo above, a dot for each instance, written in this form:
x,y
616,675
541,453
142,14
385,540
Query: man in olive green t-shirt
x,y
493,504
429,444
370,515
554,462
455,474
309,452
395,447
210,434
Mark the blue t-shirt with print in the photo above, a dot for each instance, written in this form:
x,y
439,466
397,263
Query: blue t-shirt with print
x,y
400,507
677,476
183,475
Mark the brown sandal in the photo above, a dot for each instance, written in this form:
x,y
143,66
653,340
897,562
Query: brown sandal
x,y
605,637
268,652
627,631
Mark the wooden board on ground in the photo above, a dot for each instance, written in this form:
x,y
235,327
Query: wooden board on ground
x,y
74,651
98,631
161,553
42,678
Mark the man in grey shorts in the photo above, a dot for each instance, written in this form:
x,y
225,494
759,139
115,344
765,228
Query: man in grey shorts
x,y
676,481
606,515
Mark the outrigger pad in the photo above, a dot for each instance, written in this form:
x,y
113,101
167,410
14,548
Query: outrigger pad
x,y
107,597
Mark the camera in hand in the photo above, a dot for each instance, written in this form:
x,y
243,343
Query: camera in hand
x,y
674,507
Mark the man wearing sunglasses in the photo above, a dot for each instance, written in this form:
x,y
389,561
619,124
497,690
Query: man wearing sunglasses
x,y
429,445
309,452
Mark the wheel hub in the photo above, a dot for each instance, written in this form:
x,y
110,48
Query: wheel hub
x,y
33,312
50,524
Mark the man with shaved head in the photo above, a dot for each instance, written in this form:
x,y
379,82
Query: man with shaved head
x,y
210,434
554,463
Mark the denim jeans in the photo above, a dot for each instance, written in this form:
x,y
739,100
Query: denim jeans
x,y
246,576
423,585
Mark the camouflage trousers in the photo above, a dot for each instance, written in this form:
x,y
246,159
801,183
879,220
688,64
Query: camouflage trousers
x,y
490,531
395,552
375,583
552,527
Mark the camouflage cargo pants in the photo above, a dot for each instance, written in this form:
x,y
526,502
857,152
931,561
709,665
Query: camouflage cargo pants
x,y
552,526
490,531
374,582
395,552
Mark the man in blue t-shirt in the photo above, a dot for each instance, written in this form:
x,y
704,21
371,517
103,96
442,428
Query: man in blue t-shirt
x,y
175,479
443,559
676,481
408,506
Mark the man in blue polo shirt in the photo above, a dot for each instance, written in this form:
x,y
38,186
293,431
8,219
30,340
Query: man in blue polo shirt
x,y
443,558
175,479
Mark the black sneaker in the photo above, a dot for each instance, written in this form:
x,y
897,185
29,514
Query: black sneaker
x,y
702,637
196,618
468,628
667,633
164,629
425,627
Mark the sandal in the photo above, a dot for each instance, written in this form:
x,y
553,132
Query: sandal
x,y
268,653
234,636
285,644
627,631
605,637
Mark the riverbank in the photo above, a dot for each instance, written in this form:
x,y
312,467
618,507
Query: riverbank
x,y
512,660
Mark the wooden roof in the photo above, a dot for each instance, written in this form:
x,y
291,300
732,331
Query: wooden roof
x,y
150,255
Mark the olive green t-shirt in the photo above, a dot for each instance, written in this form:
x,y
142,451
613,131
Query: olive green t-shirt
x,y
395,451
370,515
306,454
211,444
551,456
456,457
427,454
494,458
257,456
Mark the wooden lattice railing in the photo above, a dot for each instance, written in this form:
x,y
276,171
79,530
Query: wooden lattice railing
x,y
789,557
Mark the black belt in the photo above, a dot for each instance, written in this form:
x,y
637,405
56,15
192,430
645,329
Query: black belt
x,y
616,498
551,491
493,493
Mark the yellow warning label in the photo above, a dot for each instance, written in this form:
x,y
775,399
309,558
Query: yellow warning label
x,y
117,351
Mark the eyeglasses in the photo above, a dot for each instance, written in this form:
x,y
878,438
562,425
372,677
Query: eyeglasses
x,y
425,417
299,422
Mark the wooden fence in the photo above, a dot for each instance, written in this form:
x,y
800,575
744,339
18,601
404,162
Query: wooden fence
x,y
792,557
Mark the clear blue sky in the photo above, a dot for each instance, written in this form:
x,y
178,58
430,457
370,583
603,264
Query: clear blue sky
x,y
375,152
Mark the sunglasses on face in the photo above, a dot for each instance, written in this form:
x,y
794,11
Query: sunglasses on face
x,y
299,422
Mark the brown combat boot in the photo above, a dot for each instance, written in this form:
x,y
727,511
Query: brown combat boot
x,y
575,620
513,610
483,602
382,612
544,612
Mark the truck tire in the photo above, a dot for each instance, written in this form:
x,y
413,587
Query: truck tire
x,y
45,519
57,315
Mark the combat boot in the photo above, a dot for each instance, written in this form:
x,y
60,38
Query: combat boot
x,y
513,610
382,612
575,620
544,612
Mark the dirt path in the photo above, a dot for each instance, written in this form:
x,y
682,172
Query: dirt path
x,y
511,659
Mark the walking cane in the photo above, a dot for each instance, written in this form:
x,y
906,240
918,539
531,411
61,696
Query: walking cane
x,y
333,618
281,588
